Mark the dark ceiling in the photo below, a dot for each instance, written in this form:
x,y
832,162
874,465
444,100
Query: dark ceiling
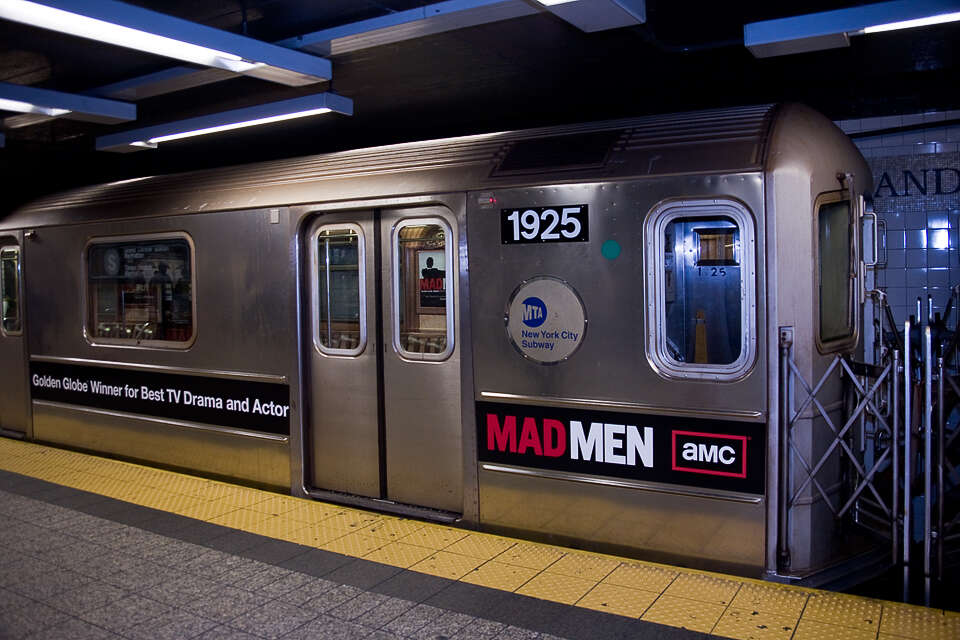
x,y
525,72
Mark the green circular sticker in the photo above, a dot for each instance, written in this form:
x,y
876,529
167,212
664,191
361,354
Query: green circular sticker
x,y
610,249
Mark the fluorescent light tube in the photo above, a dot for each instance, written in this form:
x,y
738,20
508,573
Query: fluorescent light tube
x,y
26,99
237,125
917,22
551,3
833,29
150,137
26,107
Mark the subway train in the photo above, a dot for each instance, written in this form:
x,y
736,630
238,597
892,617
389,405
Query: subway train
x,y
568,333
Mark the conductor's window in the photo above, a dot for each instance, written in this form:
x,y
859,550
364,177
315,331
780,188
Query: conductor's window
x,y
424,270
140,290
836,273
701,282
10,289
341,317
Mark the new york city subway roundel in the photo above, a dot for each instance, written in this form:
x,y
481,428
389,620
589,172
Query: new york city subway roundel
x,y
545,319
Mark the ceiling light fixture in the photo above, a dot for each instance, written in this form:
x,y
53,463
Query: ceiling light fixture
x,y
133,27
150,137
598,15
22,99
237,125
833,29
918,22
25,107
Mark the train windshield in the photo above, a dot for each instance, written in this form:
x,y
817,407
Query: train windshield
x,y
140,291
10,288
424,309
701,282
340,281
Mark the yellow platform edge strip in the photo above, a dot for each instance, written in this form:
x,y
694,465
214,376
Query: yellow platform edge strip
x,y
727,606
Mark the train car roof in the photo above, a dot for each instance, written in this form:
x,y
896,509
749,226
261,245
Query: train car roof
x,y
726,140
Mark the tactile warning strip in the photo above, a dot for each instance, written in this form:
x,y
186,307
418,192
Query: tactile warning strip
x,y
725,606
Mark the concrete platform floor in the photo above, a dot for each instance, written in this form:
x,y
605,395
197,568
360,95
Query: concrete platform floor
x,y
97,548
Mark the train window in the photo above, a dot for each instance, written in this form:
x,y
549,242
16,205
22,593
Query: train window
x,y
140,290
341,327
716,246
423,295
701,310
10,289
835,273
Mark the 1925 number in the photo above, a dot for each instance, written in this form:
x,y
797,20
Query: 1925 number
x,y
544,224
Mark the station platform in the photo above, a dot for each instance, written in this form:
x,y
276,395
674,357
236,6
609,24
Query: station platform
x,y
92,547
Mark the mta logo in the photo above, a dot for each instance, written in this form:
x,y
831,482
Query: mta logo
x,y
534,312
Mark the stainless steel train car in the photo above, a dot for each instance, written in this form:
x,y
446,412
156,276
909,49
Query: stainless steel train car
x,y
568,333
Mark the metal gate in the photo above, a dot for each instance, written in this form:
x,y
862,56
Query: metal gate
x,y
931,413
888,462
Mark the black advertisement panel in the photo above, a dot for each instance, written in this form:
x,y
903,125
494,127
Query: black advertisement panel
x,y
712,454
238,404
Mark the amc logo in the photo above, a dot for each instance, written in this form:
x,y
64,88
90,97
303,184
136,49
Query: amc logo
x,y
710,453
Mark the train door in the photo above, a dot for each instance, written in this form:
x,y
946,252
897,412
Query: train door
x,y
384,371
13,392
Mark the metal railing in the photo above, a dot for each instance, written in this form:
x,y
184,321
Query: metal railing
x,y
890,459
931,456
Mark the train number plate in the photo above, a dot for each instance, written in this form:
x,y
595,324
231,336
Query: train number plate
x,y
528,225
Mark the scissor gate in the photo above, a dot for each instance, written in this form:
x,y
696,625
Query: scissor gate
x,y
884,458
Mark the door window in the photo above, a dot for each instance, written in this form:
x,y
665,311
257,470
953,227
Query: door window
x,y
424,270
10,289
341,327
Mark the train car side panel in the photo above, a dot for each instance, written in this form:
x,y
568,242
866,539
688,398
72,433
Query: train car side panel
x,y
610,362
213,389
580,437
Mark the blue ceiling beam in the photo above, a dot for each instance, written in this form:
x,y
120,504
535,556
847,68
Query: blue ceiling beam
x,y
398,26
150,137
15,97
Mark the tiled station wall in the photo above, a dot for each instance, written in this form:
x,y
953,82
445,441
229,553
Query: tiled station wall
x,y
915,160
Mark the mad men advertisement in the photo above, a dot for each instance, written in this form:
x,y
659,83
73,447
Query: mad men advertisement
x,y
432,287
712,454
